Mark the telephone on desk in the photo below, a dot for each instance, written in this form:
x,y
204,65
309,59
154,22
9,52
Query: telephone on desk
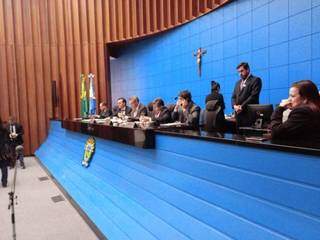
x,y
259,127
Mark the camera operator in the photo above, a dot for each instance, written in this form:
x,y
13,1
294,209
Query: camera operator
x,y
15,131
4,155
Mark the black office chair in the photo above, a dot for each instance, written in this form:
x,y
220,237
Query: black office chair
x,y
214,117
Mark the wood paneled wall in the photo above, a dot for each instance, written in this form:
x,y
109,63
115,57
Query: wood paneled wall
x,y
130,19
55,40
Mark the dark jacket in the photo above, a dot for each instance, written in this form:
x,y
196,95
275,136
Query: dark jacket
x,y
302,127
19,130
164,116
218,97
4,149
141,111
214,116
190,117
106,113
118,110
248,94
215,96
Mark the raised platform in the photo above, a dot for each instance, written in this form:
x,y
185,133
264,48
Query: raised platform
x,y
188,187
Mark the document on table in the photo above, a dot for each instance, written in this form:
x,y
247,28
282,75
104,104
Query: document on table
x,y
174,124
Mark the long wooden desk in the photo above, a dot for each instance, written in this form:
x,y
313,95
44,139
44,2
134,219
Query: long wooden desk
x,y
145,138
132,136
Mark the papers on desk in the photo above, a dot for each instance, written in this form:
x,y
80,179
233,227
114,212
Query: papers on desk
x,y
86,120
99,121
174,124
96,120
230,118
256,139
145,125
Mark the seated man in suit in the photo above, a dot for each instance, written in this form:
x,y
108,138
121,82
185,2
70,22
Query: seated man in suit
x,y
160,113
246,91
121,109
186,111
138,109
104,110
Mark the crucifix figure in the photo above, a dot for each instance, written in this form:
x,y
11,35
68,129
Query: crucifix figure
x,y
199,55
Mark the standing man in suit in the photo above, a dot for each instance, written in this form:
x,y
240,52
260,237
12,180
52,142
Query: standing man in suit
x,y
138,109
16,132
121,109
246,91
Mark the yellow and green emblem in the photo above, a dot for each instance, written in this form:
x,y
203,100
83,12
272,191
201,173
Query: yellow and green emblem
x,y
89,150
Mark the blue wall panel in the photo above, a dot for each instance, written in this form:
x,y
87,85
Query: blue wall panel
x,y
205,193
266,33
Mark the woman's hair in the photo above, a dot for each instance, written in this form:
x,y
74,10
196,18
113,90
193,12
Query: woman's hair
x,y
215,86
309,92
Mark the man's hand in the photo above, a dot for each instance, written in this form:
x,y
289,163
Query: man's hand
x,y
13,135
183,109
178,104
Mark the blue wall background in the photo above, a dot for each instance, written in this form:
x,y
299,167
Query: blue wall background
x,y
169,194
280,39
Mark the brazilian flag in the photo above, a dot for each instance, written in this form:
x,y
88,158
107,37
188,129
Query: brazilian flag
x,y
83,97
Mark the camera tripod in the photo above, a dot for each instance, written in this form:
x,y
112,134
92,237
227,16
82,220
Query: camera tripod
x,y
12,196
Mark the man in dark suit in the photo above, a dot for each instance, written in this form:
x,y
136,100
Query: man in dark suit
x,y
16,132
160,113
104,110
138,109
186,111
4,155
246,91
122,109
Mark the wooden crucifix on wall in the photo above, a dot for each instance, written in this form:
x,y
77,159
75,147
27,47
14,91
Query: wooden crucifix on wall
x,y
200,52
